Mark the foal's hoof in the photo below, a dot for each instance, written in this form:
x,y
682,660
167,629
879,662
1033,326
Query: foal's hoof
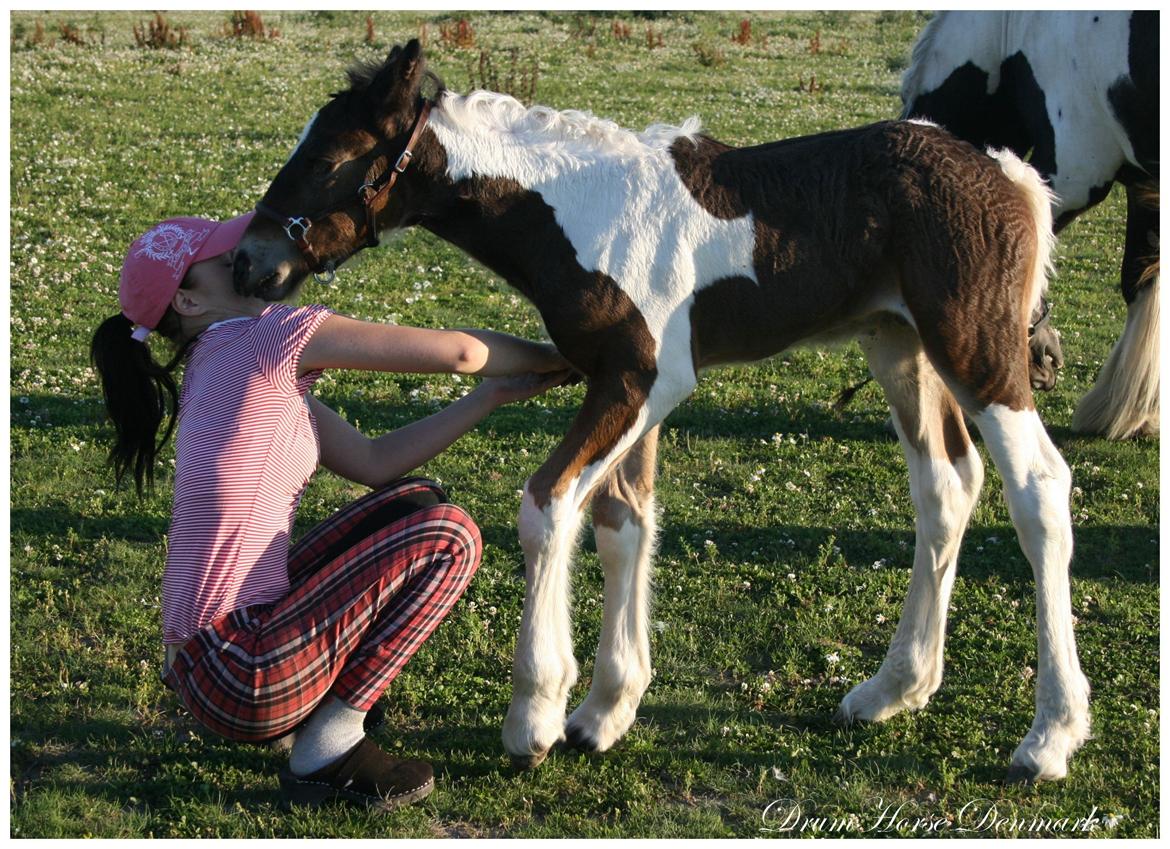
x,y
523,762
580,739
843,718
1021,774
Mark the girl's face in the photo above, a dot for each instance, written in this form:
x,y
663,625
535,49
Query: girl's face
x,y
209,285
211,275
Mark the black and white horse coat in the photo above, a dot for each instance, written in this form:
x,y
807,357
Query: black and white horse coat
x,y
1079,90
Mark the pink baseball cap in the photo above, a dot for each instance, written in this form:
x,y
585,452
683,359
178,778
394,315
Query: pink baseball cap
x,y
158,260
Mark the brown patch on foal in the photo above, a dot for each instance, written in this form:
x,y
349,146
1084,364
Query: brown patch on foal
x,y
955,438
815,253
625,493
839,216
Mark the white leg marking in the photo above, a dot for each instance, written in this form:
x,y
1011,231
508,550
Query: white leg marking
x,y
621,673
944,495
543,668
1036,484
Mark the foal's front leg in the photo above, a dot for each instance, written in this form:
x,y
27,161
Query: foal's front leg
x,y
544,669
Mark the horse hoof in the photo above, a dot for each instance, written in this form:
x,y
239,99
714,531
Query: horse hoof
x,y
579,739
1020,774
844,719
525,762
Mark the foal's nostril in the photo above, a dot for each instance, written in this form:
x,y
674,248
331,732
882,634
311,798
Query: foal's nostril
x,y
241,270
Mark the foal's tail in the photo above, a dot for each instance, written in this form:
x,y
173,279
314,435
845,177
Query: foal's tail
x,y
1040,200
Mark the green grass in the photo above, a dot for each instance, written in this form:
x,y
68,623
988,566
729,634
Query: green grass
x,y
787,529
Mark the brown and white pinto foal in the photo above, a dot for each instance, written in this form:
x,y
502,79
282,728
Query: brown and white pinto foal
x,y
653,256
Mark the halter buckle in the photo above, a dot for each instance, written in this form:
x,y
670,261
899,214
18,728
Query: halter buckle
x,y
403,161
301,222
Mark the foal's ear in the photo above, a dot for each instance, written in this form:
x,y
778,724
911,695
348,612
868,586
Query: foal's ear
x,y
411,64
397,84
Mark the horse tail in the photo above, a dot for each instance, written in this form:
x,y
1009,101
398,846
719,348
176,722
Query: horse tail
x,y
1149,196
1124,400
1040,200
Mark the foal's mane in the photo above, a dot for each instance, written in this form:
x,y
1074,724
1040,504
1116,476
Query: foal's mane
x,y
491,111
481,111
362,74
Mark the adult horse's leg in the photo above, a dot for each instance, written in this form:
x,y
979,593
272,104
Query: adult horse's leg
x,y
1124,400
624,526
544,669
945,477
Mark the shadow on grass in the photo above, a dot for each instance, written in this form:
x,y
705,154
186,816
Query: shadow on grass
x,y
862,421
1123,552
699,417
134,527
1120,552
122,765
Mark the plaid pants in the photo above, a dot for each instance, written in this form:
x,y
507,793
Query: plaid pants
x,y
368,586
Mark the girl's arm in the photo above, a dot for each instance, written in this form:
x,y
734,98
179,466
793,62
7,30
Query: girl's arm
x,y
374,462
342,342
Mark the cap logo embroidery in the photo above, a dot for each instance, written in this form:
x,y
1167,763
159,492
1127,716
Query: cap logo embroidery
x,y
172,245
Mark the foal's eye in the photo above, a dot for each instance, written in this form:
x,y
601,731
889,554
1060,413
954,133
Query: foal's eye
x,y
323,167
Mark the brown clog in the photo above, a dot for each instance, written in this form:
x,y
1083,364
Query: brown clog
x,y
365,775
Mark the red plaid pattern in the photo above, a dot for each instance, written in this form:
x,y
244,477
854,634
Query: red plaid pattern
x,y
369,585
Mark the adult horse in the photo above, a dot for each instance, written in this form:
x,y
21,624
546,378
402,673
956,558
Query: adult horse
x,y
1080,91
653,256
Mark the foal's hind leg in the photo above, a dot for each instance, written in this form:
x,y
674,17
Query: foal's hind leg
x,y
1036,484
624,527
945,477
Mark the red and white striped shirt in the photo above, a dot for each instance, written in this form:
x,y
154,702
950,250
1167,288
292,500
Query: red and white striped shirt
x,y
246,448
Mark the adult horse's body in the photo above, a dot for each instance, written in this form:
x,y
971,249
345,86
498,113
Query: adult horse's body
x,y
1080,91
653,256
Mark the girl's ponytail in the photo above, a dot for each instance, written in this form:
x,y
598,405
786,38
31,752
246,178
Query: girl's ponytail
x,y
139,395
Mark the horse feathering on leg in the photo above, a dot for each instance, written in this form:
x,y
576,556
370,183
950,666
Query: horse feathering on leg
x,y
653,256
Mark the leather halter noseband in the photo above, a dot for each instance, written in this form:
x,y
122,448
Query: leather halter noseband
x,y
369,194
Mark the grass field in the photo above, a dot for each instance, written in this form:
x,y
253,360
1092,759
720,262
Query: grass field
x,y
786,530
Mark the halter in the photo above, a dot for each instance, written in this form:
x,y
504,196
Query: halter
x,y
297,227
1045,312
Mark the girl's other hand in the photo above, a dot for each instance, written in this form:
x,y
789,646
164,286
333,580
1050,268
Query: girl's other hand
x,y
519,387
549,359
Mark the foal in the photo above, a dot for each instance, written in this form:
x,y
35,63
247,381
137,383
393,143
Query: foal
x,y
654,256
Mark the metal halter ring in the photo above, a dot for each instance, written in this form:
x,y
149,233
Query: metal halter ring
x,y
327,276
303,223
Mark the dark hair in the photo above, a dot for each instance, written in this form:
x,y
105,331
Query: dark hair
x,y
139,392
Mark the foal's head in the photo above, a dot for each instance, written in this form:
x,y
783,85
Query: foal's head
x,y
314,216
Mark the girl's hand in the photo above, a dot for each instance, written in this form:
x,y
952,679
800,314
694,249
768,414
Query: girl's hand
x,y
519,387
546,358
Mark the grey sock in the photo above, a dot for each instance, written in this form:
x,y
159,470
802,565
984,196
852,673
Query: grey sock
x,y
332,730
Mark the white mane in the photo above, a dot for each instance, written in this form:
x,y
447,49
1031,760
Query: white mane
x,y
489,111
